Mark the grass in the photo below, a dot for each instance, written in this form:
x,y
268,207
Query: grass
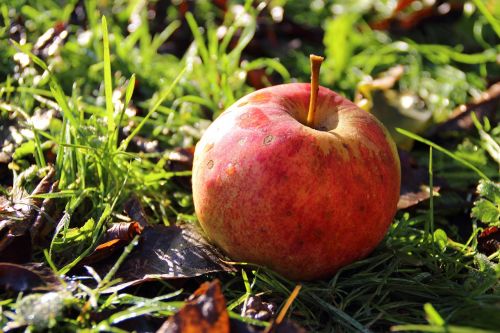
x,y
114,93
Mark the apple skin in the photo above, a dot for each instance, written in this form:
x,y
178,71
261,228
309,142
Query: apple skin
x,y
304,202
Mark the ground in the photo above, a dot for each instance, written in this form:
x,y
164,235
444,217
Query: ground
x,y
101,104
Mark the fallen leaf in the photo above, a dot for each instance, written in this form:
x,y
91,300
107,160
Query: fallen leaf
x,y
394,108
181,159
27,277
488,242
135,211
18,217
487,105
123,231
204,311
44,224
255,308
113,240
288,326
414,182
403,19
167,253
237,326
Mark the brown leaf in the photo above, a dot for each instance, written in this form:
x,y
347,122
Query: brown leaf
x,y
460,120
27,277
167,253
488,241
204,311
181,159
414,182
255,308
19,226
113,240
135,211
403,19
288,326
124,230
44,224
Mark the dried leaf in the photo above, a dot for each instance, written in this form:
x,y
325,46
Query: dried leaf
x,y
288,326
414,182
18,228
402,19
135,211
205,311
113,240
460,120
488,241
181,159
237,326
167,253
43,224
27,277
255,308
123,230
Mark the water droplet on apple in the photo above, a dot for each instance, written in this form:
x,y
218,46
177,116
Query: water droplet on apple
x,y
210,164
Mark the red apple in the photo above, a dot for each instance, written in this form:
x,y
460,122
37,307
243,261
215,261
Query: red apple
x,y
302,200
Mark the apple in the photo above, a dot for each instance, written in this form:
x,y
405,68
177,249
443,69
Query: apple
x,y
296,178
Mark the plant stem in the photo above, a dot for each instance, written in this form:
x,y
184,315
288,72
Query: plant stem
x,y
315,66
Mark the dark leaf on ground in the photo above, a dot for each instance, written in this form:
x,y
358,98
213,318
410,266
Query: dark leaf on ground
x,y
460,120
27,277
288,326
489,241
204,311
115,239
181,159
256,308
237,326
135,211
414,182
124,230
167,253
403,19
22,218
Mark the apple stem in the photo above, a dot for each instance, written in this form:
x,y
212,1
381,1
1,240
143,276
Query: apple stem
x,y
315,66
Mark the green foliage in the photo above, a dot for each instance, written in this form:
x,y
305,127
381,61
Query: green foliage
x,y
108,87
487,207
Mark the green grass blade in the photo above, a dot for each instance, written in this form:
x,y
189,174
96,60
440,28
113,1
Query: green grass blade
x,y
202,48
489,17
128,97
108,83
441,149
160,100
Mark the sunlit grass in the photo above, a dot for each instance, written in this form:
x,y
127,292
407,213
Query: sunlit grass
x,y
110,85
